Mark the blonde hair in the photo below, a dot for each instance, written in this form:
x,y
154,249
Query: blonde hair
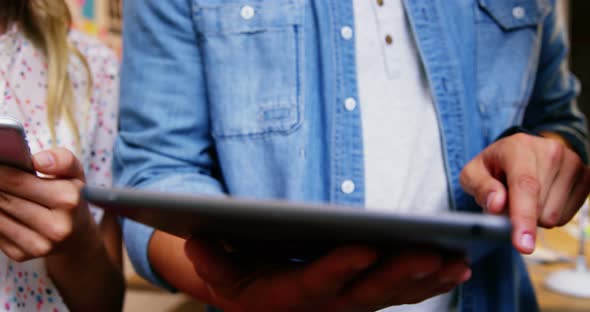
x,y
47,24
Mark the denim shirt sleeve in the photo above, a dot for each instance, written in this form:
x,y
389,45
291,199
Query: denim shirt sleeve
x,y
553,106
164,142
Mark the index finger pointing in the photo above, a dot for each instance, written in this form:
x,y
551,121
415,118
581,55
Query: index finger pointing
x,y
523,198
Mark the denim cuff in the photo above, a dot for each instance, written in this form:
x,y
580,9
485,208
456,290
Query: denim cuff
x,y
137,238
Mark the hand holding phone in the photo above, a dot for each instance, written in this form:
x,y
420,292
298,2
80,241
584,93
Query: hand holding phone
x,y
46,216
14,148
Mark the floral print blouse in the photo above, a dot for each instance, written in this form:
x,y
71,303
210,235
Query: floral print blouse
x,y
23,86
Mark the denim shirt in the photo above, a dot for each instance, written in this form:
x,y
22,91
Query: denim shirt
x,y
246,97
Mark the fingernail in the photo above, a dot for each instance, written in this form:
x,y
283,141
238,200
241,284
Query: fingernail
x,y
527,242
44,159
466,276
450,280
490,200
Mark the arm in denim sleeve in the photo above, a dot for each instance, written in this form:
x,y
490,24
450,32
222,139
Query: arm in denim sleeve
x,y
553,104
164,142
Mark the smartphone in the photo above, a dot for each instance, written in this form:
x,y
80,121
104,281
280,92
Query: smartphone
x,y
14,147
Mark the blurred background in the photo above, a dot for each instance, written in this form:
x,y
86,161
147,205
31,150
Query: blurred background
x,y
580,41
557,248
99,18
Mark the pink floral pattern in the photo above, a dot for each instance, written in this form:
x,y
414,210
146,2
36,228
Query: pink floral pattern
x,y
23,86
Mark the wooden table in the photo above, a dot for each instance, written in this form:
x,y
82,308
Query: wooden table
x,y
550,301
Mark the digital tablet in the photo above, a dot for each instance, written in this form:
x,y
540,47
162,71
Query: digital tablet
x,y
298,229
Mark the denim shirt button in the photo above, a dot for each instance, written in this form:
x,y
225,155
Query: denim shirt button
x,y
350,104
518,12
347,187
482,109
247,12
346,32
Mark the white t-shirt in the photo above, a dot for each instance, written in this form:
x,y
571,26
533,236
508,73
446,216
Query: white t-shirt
x,y
26,286
404,169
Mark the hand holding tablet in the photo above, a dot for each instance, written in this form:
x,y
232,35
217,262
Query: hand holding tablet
x,y
346,278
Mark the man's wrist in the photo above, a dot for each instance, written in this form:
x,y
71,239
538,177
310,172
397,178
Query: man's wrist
x,y
518,129
544,134
556,136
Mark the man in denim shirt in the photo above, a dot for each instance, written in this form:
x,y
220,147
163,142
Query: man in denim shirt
x,y
264,98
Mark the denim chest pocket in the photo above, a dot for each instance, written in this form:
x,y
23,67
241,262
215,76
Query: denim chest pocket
x,y
252,56
508,42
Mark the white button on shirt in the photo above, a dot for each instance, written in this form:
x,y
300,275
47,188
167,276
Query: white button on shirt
x,y
350,104
247,12
347,187
346,32
518,12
